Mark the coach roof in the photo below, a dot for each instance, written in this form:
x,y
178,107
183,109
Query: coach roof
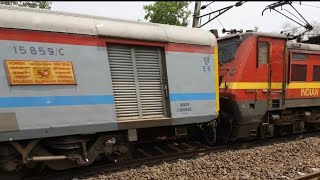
x,y
55,21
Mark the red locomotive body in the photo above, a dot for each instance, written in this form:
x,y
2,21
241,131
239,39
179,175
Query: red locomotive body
x,y
268,85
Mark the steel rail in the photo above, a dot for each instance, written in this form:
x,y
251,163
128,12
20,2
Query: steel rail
x,y
311,176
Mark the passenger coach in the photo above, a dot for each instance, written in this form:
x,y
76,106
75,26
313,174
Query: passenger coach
x,y
73,87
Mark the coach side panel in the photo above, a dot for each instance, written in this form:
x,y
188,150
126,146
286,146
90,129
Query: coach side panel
x,y
52,110
192,83
42,110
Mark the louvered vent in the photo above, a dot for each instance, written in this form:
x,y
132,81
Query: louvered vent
x,y
136,79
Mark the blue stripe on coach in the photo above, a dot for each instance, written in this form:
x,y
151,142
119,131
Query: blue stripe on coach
x,y
192,96
11,102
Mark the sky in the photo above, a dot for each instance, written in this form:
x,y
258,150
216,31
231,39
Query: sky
x,y
245,17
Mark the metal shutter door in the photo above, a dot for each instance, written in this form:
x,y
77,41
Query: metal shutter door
x,y
123,81
136,79
148,63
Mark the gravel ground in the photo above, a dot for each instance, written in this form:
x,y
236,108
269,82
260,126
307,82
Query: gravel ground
x,y
276,161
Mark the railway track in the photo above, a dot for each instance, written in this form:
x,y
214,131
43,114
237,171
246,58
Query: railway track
x,y
155,153
311,176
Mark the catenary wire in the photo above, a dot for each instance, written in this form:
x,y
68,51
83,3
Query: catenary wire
x,y
217,17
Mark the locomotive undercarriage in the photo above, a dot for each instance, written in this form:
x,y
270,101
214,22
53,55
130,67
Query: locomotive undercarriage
x,y
294,121
67,152
271,124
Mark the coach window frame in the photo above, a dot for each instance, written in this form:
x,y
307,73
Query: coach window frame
x,y
297,61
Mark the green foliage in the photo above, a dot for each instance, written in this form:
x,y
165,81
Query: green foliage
x,y
31,4
168,12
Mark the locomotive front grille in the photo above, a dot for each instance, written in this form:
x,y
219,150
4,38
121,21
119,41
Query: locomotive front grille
x,y
136,74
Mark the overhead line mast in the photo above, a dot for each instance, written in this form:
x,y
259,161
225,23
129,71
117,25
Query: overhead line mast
x,y
196,14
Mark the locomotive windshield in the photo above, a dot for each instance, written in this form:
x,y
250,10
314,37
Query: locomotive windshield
x,y
227,49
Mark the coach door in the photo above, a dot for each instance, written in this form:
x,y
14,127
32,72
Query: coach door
x,y
138,81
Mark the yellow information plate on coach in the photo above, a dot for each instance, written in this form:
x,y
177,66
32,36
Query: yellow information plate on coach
x,y
25,72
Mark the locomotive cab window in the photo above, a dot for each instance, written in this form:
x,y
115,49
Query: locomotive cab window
x,y
316,73
227,49
263,52
299,56
298,66
299,72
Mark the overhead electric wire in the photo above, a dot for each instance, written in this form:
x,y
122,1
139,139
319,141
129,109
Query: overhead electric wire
x,y
209,3
215,14
293,15
308,5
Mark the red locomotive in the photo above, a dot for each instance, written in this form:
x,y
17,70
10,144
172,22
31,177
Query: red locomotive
x,y
268,85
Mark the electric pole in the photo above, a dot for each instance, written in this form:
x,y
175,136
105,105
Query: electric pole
x,y
196,14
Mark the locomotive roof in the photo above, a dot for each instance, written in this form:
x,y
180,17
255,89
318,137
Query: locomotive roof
x,y
291,45
275,35
303,46
55,21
